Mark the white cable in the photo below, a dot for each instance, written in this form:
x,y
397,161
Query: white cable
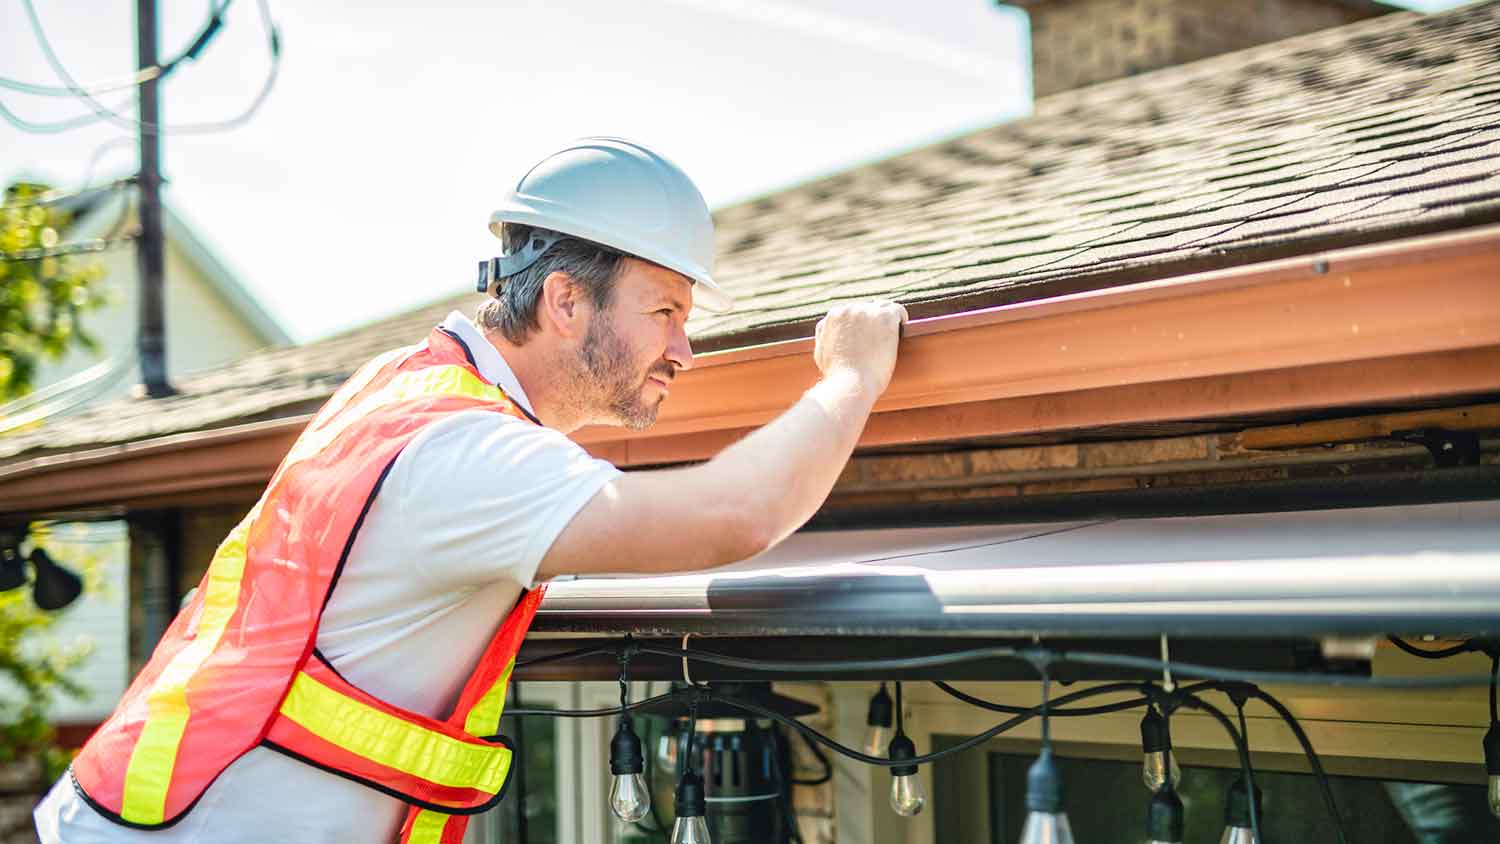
x,y
1166,667
686,678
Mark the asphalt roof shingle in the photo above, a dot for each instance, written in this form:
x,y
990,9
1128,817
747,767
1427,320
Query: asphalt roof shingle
x,y
1367,132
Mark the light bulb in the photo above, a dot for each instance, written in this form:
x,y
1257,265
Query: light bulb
x,y
878,736
1157,766
907,796
1164,817
629,798
1045,821
1044,828
1158,762
690,831
690,827
1237,829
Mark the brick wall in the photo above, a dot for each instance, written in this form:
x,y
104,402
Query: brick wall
x,y
1080,42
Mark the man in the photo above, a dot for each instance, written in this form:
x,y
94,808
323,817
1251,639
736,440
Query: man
x,y
431,491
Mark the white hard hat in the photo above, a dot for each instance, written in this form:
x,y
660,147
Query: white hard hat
x,y
619,194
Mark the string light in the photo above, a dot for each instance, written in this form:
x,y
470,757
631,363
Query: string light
x,y
907,794
1164,817
629,796
690,826
1046,822
1237,814
1159,763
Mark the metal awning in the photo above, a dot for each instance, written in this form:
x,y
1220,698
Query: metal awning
x,y
1432,568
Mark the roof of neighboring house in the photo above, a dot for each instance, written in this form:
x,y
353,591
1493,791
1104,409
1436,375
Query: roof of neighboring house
x,y
99,214
1365,133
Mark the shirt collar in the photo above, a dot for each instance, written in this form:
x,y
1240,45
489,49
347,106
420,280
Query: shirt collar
x,y
487,359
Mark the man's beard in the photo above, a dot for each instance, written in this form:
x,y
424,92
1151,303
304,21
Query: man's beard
x,y
614,380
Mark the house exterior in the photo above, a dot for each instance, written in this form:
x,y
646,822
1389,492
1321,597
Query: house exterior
x,y
1205,357
211,316
211,319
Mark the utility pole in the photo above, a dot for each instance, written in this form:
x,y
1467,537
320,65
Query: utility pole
x,y
150,248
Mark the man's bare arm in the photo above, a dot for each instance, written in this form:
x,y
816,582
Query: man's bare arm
x,y
754,493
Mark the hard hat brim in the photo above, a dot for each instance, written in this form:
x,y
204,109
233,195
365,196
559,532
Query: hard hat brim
x,y
707,293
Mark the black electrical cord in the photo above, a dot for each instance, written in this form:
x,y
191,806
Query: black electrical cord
x,y
1438,653
576,653
1010,709
1286,678
1313,761
823,762
1241,747
783,790
1230,681
1155,666
1494,679
831,744
1255,838
594,713
1312,758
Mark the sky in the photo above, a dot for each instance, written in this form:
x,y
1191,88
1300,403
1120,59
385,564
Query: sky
x,y
363,185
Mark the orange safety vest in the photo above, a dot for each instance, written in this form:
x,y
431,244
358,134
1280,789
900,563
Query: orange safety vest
x,y
237,668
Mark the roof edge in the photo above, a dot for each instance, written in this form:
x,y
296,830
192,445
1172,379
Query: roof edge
x,y
1398,322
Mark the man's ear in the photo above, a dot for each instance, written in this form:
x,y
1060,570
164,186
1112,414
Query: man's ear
x,y
564,304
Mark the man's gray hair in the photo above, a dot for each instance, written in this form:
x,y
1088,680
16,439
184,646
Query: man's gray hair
x,y
512,310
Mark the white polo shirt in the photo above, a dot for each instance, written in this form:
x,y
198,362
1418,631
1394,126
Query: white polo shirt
x,y
457,530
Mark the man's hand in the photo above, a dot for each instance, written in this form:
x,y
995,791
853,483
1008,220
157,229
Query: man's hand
x,y
860,338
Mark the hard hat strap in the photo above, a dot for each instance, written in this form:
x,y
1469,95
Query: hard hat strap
x,y
538,241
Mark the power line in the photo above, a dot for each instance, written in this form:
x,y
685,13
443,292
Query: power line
x,y
145,74
131,81
51,128
112,114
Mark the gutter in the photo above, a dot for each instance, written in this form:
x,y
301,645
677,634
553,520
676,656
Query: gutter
x,y
1399,322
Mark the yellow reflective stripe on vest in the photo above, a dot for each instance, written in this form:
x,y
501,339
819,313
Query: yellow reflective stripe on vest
x,y
484,718
148,774
393,741
427,827
422,383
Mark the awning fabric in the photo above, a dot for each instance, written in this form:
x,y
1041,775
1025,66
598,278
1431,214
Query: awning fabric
x,y
1431,568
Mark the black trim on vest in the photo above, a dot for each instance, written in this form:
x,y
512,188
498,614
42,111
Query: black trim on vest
x,y
328,664
468,353
406,798
349,545
114,818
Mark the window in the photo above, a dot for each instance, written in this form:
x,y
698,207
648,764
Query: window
x,y
1106,802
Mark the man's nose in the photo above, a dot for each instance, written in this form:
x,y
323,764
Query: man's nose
x,y
680,350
